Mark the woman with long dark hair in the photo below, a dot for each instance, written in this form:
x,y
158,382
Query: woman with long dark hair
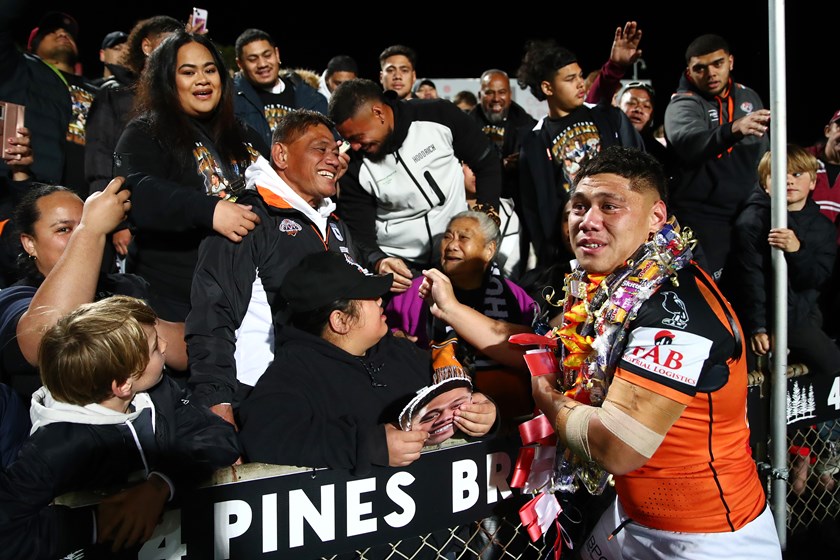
x,y
184,155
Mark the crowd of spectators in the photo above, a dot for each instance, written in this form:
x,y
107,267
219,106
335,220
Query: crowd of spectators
x,y
291,273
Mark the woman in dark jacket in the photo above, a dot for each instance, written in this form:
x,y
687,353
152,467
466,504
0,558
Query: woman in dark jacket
x,y
185,156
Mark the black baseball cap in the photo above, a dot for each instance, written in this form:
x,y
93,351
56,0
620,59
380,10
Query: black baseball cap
x,y
49,23
113,39
326,276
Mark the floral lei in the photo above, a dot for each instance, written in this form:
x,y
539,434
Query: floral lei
x,y
597,310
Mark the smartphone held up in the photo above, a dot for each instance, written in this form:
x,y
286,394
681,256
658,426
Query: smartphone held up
x,y
11,118
198,20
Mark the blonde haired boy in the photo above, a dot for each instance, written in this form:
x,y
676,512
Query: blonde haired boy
x,y
106,416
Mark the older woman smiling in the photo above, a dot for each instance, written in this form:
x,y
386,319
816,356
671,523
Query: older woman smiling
x,y
468,250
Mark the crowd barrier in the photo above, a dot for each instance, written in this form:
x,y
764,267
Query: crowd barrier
x,y
813,420
455,502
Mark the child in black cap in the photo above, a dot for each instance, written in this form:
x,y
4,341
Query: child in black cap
x,y
339,378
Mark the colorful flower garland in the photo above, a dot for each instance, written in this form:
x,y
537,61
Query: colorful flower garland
x,y
597,311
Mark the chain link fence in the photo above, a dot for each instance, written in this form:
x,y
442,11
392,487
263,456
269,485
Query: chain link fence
x,y
814,462
813,443
492,538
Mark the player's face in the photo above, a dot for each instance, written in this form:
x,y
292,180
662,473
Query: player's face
x,y
198,80
495,97
59,214
465,253
397,75
566,91
799,185
438,417
309,164
58,44
832,143
338,78
368,131
157,357
370,325
609,221
638,106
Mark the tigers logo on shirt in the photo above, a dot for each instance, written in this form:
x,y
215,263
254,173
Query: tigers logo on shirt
x,y
290,227
677,355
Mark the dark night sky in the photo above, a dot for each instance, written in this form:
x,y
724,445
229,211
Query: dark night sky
x,y
456,43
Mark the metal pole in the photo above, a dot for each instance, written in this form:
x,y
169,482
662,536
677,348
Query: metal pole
x,y
778,146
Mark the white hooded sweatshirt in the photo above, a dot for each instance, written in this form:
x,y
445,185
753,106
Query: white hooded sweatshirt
x,y
255,335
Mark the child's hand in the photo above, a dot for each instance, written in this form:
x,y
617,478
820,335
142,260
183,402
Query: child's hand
x,y
476,418
130,517
784,239
404,447
760,343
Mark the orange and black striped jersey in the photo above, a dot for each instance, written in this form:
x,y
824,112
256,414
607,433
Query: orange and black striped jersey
x,y
685,344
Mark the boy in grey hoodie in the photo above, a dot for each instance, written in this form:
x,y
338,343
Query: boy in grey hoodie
x,y
106,416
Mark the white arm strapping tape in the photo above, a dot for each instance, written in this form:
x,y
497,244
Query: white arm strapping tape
x,y
577,430
642,439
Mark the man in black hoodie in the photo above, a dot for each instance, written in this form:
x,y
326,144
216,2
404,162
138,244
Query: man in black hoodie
x,y
717,131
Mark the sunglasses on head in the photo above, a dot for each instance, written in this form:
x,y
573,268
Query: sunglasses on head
x,y
639,85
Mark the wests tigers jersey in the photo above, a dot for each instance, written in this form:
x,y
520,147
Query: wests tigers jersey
x,y
686,345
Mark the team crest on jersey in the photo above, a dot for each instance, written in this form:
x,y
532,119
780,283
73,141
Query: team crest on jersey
x,y
675,306
290,227
336,232
747,107
678,356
